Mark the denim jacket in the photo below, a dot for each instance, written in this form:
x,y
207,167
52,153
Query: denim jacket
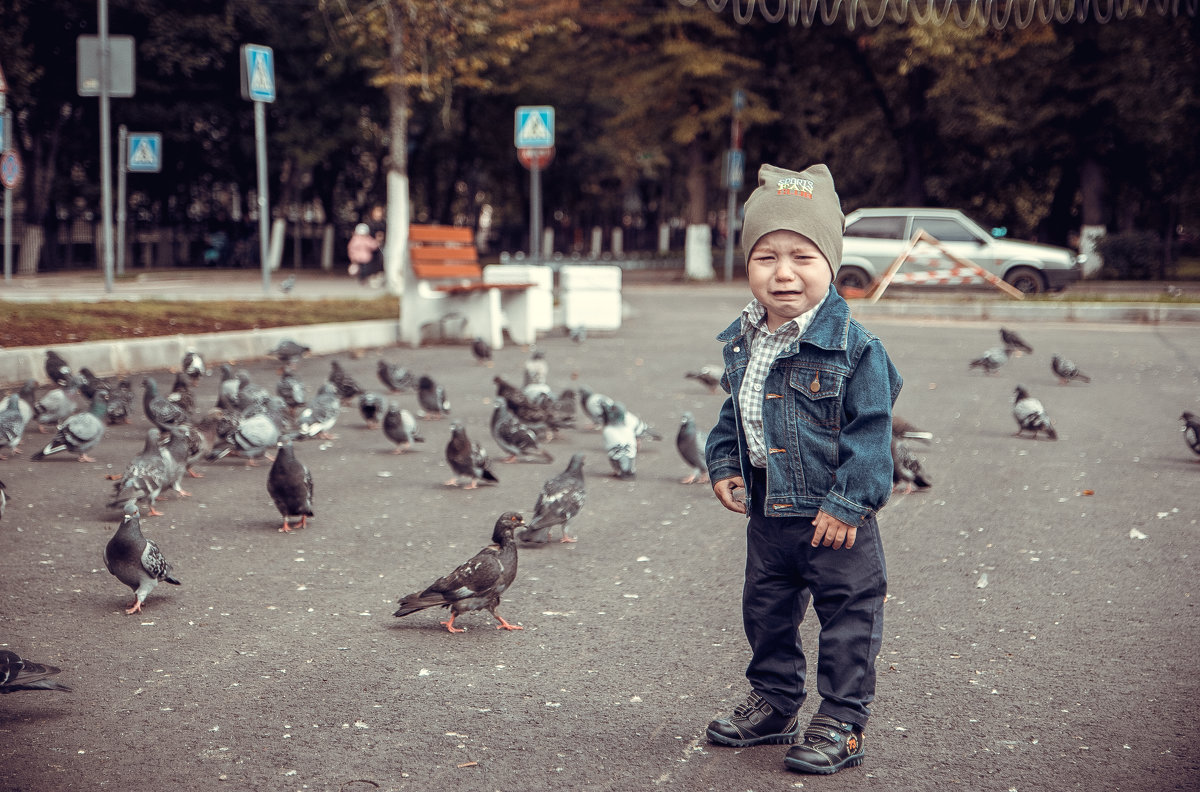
x,y
827,419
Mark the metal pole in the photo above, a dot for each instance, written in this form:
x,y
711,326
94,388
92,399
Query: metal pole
x,y
122,167
264,221
730,230
106,209
5,136
535,210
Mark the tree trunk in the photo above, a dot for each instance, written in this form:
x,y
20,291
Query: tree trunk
x,y
395,251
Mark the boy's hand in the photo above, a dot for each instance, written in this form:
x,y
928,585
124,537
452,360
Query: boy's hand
x,y
726,490
832,532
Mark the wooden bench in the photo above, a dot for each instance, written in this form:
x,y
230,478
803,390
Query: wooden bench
x,y
443,279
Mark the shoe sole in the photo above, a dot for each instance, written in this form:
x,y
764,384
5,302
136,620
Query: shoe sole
x,y
770,739
805,767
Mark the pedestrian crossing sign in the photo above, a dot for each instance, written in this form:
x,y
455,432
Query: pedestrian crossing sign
x,y
535,127
258,73
145,152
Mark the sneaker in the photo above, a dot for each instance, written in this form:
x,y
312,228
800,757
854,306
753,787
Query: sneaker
x,y
754,723
829,745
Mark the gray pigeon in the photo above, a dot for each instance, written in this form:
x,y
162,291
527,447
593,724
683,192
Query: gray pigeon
x,y
1191,431
537,370
290,485
28,394
561,498
432,398
519,441
288,352
906,468
58,370
319,417
1014,342
593,404
12,425
620,441
250,437
250,396
160,411
79,433
708,376
3,499
120,402
347,386
1030,415
400,427
1066,370
371,407
16,673
476,584
907,431
467,459
181,393
192,366
396,379
227,388
145,477
291,389
991,360
690,442
135,560
482,351
89,383
55,406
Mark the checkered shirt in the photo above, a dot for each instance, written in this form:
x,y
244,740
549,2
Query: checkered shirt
x,y
765,348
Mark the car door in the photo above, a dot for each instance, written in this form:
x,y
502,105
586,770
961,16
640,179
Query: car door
x,y
957,238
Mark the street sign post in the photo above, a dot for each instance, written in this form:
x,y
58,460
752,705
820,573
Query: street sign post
x,y
120,66
534,138
258,86
144,152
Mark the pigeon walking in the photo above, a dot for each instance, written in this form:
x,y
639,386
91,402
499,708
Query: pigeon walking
x,y
592,404
561,498
690,442
318,418
55,406
620,441
432,398
12,425
58,370
467,459
192,366
181,394
537,370
250,438
518,440
1191,431
89,383
1030,415
1014,341
145,477
991,360
135,560
1066,370
290,485
291,389
79,433
482,351
288,352
476,584
160,411
371,407
3,499
907,471
400,427
396,379
708,376
347,386
120,403
17,673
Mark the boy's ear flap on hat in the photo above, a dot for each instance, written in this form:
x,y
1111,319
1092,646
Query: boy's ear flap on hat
x,y
805,202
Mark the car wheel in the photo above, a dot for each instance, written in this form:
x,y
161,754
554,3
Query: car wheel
x,y
851,278
1026,280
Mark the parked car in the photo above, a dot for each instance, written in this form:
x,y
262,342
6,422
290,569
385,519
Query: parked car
x,y
875,237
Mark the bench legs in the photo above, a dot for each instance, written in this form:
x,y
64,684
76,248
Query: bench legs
x,y
481,310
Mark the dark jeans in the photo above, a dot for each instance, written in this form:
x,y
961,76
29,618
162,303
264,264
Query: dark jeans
x,y
847,588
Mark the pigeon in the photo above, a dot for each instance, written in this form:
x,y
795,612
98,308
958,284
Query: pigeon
x,y
482,351
1066,370
288,284
135,560
55,406
145,477
28,395
467,459
17,673
12,424
58,370
906,431
120,402
708,376
318,418
515,438
192,366
1013,341
400,427
198,444
1030,415
227,388
476,584
80,432
577,334
160,411
690,442
593,405
3,499
290,485
620,441
906,468
561,411
561,498
1191,431
537,370
396,379
176,451
288,352
249,397
181,393
991,360
89,383
641,428
534,414
291,389
371,407
347,386
432,398
249,437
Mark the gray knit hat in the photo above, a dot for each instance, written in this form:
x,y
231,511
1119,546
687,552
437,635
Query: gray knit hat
x,y
804,202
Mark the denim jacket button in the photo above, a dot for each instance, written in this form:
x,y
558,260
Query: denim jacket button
x,y
737,349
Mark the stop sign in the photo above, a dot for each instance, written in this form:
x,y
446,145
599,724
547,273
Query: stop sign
x,y
541,157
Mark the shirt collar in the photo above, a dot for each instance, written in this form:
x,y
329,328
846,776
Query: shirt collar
x,y
754,316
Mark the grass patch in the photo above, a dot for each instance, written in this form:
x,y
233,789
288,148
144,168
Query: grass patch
x,y
46,324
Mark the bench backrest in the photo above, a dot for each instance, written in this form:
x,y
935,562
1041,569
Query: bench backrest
x,y
440,252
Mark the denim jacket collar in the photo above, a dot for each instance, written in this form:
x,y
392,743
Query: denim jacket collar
x,y
829,329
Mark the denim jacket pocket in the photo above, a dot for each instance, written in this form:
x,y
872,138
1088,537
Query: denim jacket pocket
x,y
817,392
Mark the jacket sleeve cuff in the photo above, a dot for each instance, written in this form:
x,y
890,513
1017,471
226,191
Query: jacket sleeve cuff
x,y
847,511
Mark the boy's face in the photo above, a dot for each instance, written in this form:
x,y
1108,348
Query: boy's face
x,y
788,275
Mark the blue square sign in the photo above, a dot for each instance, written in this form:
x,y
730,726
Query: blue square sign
x,y
535,127
145,152
258,73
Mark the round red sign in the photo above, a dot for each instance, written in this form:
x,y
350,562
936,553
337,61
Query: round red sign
x,y
535,156
10,169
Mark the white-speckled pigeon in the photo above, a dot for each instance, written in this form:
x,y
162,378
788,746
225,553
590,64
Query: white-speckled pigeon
x,y
907,471
290,485
291,389
477,584
537,370
12,425
690,442
561,498
620,441
120,403
17,673
396,379
181,394
400,427
319,417
1066,370
517,439
432,398
1030,415
467,459
192,366
79,433
145,477
249,437
135,560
